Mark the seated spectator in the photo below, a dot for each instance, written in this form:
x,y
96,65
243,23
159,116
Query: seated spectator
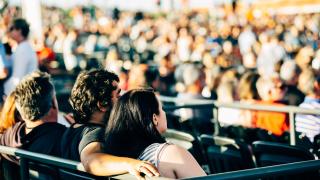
x,y
92,98
289,73
248,93
9,114
37,105
226,94
270,91
309,83
134,130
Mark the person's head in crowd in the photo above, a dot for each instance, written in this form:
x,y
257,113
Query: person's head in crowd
x,y
227,47
9,114
36,99
152,77
93,95
270,88
247,86
289,72
193,78
309,83
138,115
304,57
19,30
226,91
137,76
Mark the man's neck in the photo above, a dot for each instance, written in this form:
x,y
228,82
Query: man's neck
x,y
97,118
30,125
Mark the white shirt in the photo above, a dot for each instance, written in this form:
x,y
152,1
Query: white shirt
x,y
24,62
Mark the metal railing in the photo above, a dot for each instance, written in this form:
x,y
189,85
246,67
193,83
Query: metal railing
x,y
256,173
201,103
270,171
26,156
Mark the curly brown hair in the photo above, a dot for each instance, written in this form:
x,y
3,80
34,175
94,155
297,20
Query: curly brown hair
x,y
90,88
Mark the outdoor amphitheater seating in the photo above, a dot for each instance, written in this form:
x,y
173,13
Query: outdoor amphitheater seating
x,y
225,154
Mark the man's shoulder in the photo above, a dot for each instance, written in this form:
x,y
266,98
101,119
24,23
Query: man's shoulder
x,y
84,130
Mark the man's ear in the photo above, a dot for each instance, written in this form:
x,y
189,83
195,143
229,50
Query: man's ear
x,y
102,106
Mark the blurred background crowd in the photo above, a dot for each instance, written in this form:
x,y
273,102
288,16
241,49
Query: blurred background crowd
x,y
231,52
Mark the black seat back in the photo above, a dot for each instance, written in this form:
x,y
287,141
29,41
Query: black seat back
x,y
225,154
270,153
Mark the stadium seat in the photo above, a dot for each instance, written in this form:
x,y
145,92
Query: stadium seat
x,y
225,154
270,153
316,145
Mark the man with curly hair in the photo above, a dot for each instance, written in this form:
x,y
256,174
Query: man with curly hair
x,y
92,98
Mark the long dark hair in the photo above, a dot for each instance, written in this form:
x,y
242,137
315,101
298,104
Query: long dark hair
x,y
130,128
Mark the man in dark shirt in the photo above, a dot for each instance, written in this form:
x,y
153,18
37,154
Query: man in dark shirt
x,y
92,98
39,131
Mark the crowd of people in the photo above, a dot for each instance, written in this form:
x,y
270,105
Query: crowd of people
x,y
227,56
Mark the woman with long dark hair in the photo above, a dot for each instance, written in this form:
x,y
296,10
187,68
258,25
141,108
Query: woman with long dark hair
x,y
134,130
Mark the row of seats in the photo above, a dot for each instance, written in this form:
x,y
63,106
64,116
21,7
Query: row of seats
x,y
222,154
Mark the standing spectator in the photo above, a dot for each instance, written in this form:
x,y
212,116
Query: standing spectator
x,y
24,58
309,83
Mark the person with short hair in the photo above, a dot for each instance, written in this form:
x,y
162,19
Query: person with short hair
x,y
24,58
92,98
37,104
134,130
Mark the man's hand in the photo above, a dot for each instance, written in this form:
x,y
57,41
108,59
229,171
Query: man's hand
x,y
136,167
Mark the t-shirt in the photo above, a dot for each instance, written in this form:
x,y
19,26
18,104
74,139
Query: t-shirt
x,y
275,122
44,138
307,123
75,139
